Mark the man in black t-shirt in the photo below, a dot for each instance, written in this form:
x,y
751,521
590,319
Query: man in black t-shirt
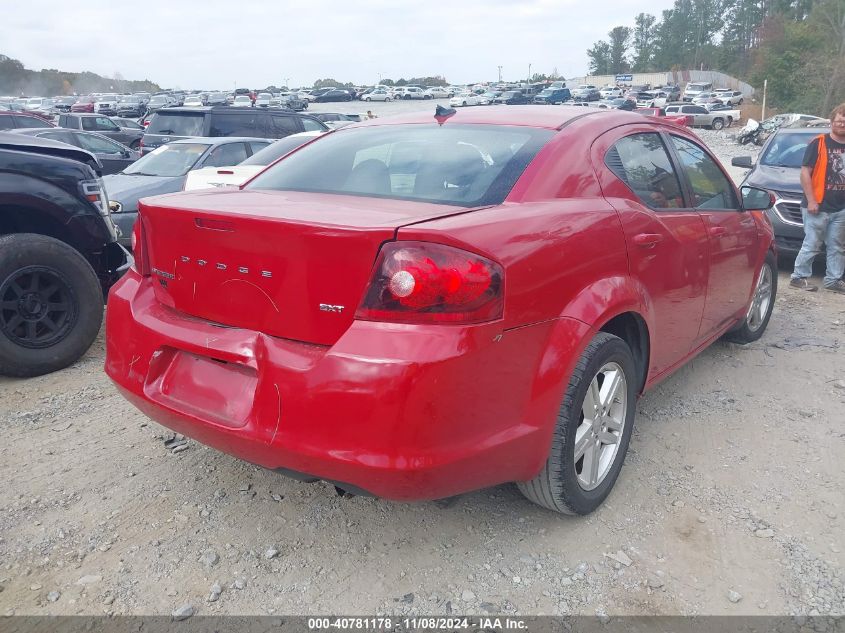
x,y
823,207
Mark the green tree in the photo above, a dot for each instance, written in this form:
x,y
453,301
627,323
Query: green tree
x,y
599,55
828,18
619,43
643,43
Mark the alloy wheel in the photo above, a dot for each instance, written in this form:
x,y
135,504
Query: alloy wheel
x,y
761,300
603,417
37,307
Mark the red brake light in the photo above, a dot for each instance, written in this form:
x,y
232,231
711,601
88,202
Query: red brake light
x,y
421,282
139,249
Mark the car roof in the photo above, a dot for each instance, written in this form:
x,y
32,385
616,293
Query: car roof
x,y
24,142
537,116
809,131
220,140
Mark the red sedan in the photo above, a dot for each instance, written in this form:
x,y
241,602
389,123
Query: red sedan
x,y
417,307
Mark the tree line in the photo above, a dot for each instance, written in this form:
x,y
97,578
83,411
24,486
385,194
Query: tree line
x,y
797,45
437,80
15,80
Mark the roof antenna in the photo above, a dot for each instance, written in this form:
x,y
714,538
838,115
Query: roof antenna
x,y
441,114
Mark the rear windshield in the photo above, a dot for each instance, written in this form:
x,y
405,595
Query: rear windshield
x,y
276,150
176,124
470,165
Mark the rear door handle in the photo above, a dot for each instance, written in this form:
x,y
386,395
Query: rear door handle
x,y
718,231
648,240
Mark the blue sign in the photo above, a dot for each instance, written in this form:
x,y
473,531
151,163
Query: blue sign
x,y
624,78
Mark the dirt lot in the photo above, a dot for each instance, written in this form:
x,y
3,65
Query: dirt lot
x,y
730,502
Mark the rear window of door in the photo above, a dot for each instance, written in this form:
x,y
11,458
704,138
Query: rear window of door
x,y
99,124
238,124
176,124
642,162
98,144
281,126
7,123
310,125
226,155
30,121
61,135
710,187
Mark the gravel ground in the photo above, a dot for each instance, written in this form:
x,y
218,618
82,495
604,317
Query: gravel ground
x,y
730,502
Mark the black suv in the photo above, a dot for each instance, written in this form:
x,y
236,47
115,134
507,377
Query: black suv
x,y
58,254
173,124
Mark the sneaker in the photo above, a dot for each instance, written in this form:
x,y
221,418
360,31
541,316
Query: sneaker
x,y
836,286
802,284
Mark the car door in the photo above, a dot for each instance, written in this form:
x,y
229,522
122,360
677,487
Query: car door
x,y
732,235
667,242
700,116
112,155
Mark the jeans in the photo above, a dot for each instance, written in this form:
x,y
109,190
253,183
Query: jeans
x,y
822,229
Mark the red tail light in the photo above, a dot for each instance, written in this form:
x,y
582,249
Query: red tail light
x,y
421,282
139,249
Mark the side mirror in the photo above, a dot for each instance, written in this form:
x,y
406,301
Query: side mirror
x,y
754,199
742,161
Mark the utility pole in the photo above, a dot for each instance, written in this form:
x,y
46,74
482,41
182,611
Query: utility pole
x,y
500,74
763,111
529,73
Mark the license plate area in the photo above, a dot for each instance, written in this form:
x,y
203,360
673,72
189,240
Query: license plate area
x,y
212,390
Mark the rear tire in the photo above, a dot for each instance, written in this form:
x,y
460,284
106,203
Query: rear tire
x,y
762,303
560,485
51,305
717,124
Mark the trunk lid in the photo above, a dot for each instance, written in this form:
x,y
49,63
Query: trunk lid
x,y
289,264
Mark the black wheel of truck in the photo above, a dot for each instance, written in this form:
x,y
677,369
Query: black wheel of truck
x,y
51,305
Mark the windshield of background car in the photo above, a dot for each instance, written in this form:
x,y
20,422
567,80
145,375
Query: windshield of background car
x,y
176,124
168,160
471,165
786,150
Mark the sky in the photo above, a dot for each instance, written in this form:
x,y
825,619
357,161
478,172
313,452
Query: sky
x,y
223,44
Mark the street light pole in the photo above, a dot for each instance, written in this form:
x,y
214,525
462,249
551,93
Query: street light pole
x,y
500,74
529,73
